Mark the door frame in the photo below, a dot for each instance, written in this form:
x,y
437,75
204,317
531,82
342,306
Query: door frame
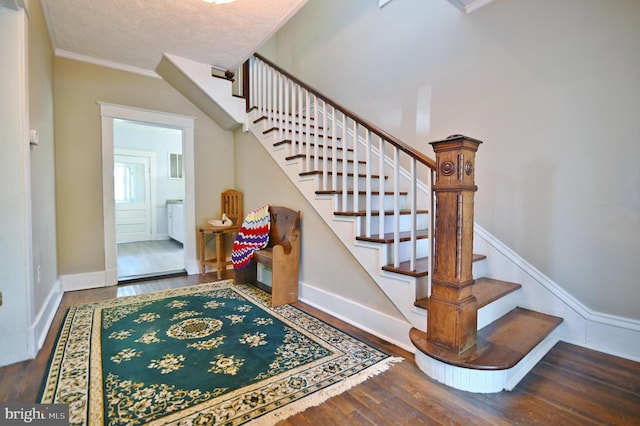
x,y
109,112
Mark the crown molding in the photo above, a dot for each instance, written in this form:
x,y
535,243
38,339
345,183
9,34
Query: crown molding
x,y
105,63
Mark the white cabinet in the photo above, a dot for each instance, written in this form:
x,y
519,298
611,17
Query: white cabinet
x,y
175,220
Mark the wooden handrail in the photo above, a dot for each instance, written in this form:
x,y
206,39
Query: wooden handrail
x,y
419,156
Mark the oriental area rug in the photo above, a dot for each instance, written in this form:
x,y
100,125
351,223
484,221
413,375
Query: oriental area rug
x,y
209,354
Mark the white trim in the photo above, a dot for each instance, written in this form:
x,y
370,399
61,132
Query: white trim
x,y
613,335
475,5
44,319
382,2
105,63
186,123
25,180
391,329
84,281
9,4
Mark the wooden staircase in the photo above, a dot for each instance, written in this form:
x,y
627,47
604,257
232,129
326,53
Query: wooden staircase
x,y
376,204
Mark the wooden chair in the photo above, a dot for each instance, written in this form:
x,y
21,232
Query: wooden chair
x,y
281,256
231,206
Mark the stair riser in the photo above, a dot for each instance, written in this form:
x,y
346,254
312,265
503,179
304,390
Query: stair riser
x,y
339,166
350,183
388,202
404,251
422,221
339,154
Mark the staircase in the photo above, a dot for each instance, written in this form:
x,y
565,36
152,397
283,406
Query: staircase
x,y
375,193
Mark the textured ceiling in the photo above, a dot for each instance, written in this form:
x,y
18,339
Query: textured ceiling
x,y
137,32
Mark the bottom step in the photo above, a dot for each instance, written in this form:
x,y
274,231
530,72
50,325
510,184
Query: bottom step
x,y
506,351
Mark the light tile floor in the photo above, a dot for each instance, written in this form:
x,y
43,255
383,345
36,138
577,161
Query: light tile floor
x,y
142,258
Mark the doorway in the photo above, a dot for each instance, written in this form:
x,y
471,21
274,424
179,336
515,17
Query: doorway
x,y
147,190
138,158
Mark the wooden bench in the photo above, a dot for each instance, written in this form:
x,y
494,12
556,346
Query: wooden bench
x,y
281,256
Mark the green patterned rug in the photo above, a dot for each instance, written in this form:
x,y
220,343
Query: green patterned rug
x,y
210,354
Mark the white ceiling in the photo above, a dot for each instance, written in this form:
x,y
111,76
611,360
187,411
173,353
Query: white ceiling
x,y
136,33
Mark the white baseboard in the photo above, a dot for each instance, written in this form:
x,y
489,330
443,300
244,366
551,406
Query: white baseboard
x,y
84,281
391,329
43,320
613,335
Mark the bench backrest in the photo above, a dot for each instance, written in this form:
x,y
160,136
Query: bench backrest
x,y
284,222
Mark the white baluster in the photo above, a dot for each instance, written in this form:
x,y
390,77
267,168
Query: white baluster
x,y
345,156
307,147
381,196
396,207
285,124
316,142
414,212
368,164
325,162
334,151
296,136
356,198
432,214
274,97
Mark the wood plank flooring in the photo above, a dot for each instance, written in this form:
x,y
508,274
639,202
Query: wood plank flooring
x,y
570,386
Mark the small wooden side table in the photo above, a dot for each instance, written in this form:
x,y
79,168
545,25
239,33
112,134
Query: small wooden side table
x,y
220,261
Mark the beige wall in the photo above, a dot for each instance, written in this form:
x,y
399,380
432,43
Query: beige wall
x,y
78,88
551,87
325,262
43,203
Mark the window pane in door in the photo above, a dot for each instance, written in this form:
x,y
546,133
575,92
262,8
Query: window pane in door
x,y
128,182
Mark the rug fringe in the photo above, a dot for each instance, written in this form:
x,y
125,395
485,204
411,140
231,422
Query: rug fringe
x,y
318,398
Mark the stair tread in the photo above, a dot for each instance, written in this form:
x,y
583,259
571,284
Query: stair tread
x,y
319,172
388,237
404,268
265,117
291,122
361,213
350,192
321,158
486,290
500,345
421,268
320,146
303,133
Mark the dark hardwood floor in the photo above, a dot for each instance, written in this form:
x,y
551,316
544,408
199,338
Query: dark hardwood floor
x,y
570,386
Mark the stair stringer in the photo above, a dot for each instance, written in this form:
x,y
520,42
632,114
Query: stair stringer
x,y
400,289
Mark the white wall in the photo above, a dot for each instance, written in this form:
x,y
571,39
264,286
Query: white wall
x,y
16,285
552,88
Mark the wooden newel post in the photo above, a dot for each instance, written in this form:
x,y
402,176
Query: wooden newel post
x,y
452,309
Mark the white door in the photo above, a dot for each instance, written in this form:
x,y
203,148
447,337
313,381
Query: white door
x,y
131,179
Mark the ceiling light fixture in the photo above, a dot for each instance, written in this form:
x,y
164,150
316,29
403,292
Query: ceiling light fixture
x,y
219,1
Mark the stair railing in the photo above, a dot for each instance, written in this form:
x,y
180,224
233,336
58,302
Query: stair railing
x,y
330,128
